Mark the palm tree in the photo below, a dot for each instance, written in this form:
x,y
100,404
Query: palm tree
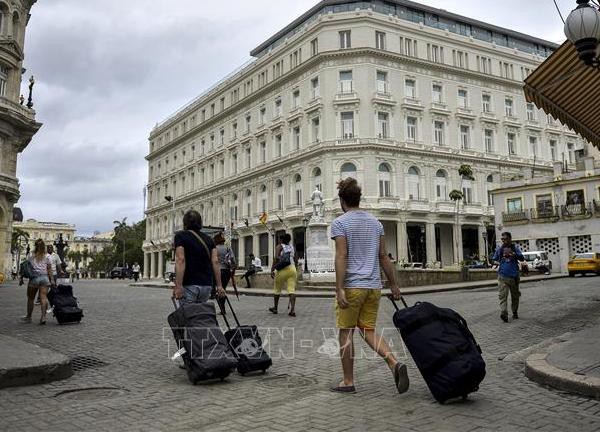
x,y
119,230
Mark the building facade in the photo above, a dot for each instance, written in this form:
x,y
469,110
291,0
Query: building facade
x,y
17,121
88,246
396,94
47,231
559,214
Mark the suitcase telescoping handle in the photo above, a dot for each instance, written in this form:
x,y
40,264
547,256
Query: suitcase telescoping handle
x,y
176,303
395,304
232,312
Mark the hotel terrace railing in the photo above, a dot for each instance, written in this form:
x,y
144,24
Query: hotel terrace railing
x,y
553,214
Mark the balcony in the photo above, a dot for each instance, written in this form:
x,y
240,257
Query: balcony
x,y
577,211
518,217
418,205
545,214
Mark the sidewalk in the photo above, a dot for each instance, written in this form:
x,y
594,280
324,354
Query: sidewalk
x,y
572,364
330,292
23,364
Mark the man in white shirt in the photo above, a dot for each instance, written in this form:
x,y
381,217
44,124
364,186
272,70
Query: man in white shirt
x,y
135,269
55,263
255,266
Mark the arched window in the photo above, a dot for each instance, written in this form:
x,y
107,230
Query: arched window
x,y
385,180
248,203
3,79
441,185
279,194
489,186
414,188
233,209
263,198
317,179
467,189
298,189
348,170
4,17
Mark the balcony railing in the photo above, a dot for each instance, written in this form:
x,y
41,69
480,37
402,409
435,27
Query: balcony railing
x,y
577,210
519,216
545,213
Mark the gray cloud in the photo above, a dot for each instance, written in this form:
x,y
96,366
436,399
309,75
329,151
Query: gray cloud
x,y
108,70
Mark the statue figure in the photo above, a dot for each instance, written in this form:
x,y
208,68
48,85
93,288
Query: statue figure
x,y
318,204
60,248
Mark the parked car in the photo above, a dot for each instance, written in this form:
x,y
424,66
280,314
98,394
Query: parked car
x,y
537,261
584,263
120,273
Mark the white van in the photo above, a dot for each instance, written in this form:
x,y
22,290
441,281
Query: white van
x,y
537,261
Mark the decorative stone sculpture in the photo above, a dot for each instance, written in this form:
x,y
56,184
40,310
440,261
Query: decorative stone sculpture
x,y
318,204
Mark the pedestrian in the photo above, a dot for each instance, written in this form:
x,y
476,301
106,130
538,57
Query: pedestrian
x,y
254,267
507,257
196,262
42,269
135,271
55,262
284,263
359,255
227,264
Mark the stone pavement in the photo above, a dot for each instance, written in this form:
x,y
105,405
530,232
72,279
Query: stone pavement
x,y
22,363
124,380
330,292
571,364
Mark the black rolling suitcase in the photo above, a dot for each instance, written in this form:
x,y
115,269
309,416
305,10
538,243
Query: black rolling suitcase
x,y
443,348
246,344
205,351
64,305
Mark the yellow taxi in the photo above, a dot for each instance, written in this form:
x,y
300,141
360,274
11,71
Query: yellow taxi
x,y
583,263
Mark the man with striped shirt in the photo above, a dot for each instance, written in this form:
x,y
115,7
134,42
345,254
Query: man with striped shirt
x,y
360,252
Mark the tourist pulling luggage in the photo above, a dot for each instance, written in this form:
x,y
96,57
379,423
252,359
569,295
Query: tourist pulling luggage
x,y
442,347
64,305
246,344
202,345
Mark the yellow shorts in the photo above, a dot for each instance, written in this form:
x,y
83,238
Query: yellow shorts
x,y
362,311
288,276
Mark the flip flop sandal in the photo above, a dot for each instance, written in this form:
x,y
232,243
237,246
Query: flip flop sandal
x,y
343,389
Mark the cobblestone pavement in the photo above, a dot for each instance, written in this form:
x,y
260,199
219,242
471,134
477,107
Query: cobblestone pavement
x,y
139,388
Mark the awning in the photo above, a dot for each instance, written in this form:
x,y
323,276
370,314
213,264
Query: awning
x,y
566,88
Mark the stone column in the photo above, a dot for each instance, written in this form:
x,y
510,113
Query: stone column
x,y
482,251
401,241
161,262
146,265
430,242
152,265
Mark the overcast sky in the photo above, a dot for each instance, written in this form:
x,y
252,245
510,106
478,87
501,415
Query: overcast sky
x,y
108,70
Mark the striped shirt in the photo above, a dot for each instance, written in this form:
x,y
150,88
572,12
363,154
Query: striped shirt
x,y
363,234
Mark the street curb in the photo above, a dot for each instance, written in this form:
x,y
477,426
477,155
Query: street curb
x,y
46,366
428,289
539,370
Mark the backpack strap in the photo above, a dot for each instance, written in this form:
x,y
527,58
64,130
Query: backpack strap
x,y
202,242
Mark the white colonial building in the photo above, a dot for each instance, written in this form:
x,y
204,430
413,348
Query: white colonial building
x,y
395,93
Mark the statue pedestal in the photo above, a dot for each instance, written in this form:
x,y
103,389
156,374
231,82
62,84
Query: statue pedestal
x,y
320,258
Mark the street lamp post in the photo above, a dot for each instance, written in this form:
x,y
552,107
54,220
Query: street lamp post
x,y
171,199
30,99
305,222
582,28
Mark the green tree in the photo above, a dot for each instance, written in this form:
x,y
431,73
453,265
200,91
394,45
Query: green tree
x,y
15,241
74,256
128,240
102,261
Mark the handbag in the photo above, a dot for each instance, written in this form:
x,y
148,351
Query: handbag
x,y
26,269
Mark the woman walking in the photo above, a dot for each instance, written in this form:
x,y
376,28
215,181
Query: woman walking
x,y
285,263
227,264
42,268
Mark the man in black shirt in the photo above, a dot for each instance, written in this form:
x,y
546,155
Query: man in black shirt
x,y
196,262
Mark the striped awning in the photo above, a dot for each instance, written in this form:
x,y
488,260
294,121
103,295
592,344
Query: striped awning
x,y
566,88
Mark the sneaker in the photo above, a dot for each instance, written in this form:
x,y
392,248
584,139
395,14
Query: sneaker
x,y
273,310
25,320
49,310
37,303
504,316
515,315
401,378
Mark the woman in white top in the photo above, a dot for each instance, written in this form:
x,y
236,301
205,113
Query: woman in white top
x,y
285,263
42,268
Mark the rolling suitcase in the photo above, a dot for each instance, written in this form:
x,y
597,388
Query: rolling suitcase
x,y
64,305
246,344
443,348
203,347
